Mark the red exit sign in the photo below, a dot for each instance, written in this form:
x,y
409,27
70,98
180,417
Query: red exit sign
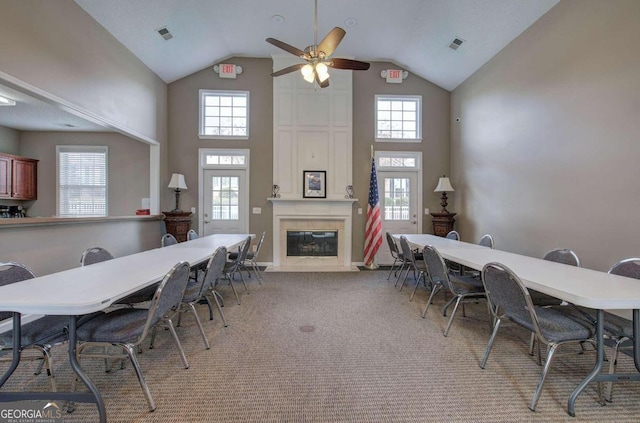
x,y
227,70
394,76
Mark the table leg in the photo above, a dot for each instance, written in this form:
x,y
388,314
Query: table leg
x,y
15,356
596,369
73,360
636,338
93,396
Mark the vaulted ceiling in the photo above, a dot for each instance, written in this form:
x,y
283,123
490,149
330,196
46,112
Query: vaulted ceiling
x,y
414,34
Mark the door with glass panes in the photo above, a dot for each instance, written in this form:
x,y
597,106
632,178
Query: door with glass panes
x,y
224,206
399,207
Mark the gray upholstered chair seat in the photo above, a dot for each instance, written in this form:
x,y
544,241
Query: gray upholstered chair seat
x,y
48,330
614,325
467,284
119,326
557,326
234,255
617,326
542,299
141,296
193,290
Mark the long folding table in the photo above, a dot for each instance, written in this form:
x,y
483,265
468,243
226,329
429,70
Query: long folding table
x,y
580,286
88,289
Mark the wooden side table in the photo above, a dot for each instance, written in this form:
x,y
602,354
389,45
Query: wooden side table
x,y
443,223
178,224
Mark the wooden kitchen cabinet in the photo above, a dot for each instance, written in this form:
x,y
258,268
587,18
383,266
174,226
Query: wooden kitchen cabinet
x,y
18,177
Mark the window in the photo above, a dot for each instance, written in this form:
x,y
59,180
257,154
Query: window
x,y
396,198
225,194
224,114
225,159
82,181
397,160
398,118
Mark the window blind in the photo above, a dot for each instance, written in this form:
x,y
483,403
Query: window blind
x,y
82,181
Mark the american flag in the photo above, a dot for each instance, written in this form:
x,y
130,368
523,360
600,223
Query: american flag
x,y
373,228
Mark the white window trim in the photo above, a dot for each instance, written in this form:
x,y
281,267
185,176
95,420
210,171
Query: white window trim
x,y
418,99
201,134
82,148
417,156
204,152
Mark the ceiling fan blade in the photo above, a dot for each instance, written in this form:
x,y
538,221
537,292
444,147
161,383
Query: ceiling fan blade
x,y
288,70
288,48
331,41
348,64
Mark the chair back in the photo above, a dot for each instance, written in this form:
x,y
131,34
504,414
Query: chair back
x,y
215,268
564,256
407,252
436,268
486,241
168,295
168,239
95,255
507,295
260,241
453,235
393,247
628,267
191,235
11,272
244,250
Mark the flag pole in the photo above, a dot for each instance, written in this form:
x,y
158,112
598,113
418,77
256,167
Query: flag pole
x,y
372,265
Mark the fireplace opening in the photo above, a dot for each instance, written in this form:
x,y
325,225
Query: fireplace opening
x,y
312,243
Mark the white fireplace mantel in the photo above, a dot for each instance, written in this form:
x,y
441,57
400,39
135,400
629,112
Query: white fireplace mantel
x,y
311,213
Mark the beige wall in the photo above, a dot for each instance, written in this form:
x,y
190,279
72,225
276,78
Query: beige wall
x,y
546,152
128,170
184,142
434,145
57,47
9,140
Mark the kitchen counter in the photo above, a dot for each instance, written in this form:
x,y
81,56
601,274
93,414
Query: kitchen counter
x,y
42,221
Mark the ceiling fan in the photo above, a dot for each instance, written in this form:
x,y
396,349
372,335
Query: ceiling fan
x,y
317,56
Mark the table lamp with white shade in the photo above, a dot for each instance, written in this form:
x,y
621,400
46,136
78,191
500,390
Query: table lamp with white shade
x,y
177,183
444,186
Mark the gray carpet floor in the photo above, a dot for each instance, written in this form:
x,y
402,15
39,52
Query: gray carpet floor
x,y
340,347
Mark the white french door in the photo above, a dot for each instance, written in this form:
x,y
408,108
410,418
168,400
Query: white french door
x,y
224,208
400,192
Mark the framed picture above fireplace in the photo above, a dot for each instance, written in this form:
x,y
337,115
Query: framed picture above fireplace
x,y
314,184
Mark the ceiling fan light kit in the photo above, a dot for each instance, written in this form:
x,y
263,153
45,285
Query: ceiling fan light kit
x,y
316,68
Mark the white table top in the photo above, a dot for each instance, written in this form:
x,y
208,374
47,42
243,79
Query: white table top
x,y
577,285
87,289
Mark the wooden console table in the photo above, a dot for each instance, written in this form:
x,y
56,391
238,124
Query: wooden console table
x,y
178,224
442,223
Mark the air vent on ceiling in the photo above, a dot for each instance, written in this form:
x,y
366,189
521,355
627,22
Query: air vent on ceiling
x,y
457,42
164,33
